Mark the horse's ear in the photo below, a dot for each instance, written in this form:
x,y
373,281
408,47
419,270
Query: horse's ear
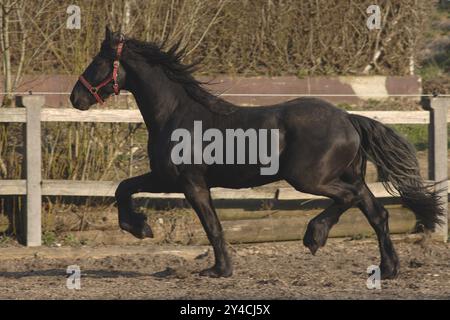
x,y
108,33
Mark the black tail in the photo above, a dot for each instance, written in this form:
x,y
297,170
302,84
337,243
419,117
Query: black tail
x,y
396,162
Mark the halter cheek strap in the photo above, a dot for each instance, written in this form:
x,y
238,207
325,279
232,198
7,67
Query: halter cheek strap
x,y
116,65
113,77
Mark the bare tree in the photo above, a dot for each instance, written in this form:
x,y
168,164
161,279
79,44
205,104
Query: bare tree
x,y
14,36
5,16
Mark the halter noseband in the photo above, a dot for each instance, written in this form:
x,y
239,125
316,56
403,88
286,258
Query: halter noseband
x,y
113,77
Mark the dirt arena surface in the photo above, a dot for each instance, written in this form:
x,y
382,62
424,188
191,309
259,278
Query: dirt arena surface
x,y
283,270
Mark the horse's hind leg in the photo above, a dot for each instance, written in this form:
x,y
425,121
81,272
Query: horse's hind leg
x,y
377,216
344,196
345,193
316,234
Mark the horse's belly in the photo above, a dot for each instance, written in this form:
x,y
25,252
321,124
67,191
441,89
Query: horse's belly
x,y
238,176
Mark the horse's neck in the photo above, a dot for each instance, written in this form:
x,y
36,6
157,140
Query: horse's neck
x,y
157,97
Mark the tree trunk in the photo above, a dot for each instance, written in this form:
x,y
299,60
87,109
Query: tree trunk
x,y
5,45
125,25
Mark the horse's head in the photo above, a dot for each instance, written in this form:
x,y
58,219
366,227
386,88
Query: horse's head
x,y
104,75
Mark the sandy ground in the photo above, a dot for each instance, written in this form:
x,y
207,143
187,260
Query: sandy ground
x,y
283,270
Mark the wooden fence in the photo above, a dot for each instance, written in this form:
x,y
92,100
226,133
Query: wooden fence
x,y
32,114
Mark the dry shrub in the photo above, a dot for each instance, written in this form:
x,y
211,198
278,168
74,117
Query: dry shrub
x,y
252,37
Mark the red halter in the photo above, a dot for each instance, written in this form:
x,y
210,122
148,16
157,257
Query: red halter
x,y
113,77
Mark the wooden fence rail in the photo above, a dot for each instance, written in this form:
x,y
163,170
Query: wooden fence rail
x,y
88,188
134,116
32,114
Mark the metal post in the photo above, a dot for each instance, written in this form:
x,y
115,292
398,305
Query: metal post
x,y
33,167
438,154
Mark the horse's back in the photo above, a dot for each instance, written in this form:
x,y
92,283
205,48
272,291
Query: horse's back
x,y
306,107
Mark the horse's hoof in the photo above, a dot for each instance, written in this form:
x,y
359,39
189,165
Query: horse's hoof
x,y
311,245
315,236
144,232
389,272
216,272
139,230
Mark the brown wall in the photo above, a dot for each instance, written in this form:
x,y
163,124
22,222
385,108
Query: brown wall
x,y
257,85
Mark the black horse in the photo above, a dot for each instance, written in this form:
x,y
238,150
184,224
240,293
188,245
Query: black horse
x,y
322,150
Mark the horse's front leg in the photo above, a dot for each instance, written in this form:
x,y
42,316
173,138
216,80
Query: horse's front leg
x,y
130,221
198,195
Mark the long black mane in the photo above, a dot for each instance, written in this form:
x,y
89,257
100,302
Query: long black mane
x,y
171,61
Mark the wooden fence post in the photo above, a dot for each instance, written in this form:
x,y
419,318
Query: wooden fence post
x,y
32,228
438,154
